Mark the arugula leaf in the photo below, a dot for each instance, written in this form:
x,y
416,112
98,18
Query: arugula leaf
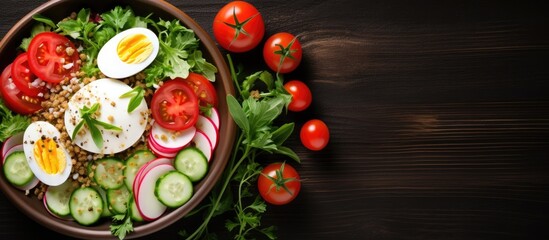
x,y
11,123
200,65
40,18
118,17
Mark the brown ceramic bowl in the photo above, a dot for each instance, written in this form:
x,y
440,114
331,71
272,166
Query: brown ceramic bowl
x,y
58,9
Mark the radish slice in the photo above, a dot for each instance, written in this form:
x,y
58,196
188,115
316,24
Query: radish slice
x,y
171,139
205,125
148,205
203,144
16,139
11,150
214,117
160,148
145,168
159,153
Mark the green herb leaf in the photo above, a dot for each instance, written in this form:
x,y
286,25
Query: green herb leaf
x,y
282,133
288,152
11,123
238,114
43,19
87,113
137,95
121,224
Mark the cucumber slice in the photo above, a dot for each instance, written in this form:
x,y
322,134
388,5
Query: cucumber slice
x,y
17,170
191,162
134,211
57,198
86,206
106,208
133,163
118,199
173,189
109,173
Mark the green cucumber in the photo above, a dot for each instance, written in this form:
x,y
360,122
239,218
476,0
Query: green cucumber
x,y
17,170
173,189
133,163
86,206
191,162
109,173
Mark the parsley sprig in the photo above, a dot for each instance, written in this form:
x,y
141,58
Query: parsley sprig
x,y
254,113
87,114
121,224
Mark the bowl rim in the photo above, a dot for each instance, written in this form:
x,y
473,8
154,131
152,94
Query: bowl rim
x,y
217,166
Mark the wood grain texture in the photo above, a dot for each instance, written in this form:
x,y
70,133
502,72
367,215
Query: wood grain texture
x,y
438,112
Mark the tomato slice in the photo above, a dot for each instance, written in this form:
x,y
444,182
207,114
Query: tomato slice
x,y
203,88
16,100
23,77
52,57
174,106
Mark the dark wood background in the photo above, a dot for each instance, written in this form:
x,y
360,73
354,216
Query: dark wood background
x,y
438,112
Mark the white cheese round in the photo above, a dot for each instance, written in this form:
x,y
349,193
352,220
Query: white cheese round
x,y
113,110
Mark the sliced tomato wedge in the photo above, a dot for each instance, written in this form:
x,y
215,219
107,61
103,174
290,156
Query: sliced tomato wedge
x,y
23,77
174,106
16,100
52,57
203,88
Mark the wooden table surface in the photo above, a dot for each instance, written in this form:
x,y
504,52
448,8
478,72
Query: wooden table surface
x,y
438,112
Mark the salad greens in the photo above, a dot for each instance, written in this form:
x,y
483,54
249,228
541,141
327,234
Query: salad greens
x,y
258,135
179,51
137,95
11,123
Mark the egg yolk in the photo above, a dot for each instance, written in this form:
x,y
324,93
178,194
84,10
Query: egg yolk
x,y
49,157
134,48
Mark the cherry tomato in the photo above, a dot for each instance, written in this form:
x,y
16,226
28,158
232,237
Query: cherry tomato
x,y
282,52
238,27
279,183
23,77
52,57
314,135
15,99
203,88
174,106
301,95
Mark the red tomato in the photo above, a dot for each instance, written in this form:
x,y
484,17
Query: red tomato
x,y
314,135
15,99
52,57
301,95
279,183
238,27
23,77
203,88
282,52
174,106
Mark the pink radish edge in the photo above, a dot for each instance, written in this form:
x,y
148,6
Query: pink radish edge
x,y
12,141
148,205
206,125
145,168
202,142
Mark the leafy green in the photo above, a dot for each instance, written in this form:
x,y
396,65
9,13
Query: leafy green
x,y
11,123
137,95
87,113
254,114
178,54
43,25
121,224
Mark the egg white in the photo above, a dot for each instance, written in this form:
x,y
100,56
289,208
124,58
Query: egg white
x,y
107,93
32,134
109,62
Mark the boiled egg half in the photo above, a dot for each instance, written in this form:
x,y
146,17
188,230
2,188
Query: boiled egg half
x,y
128,53
47,157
